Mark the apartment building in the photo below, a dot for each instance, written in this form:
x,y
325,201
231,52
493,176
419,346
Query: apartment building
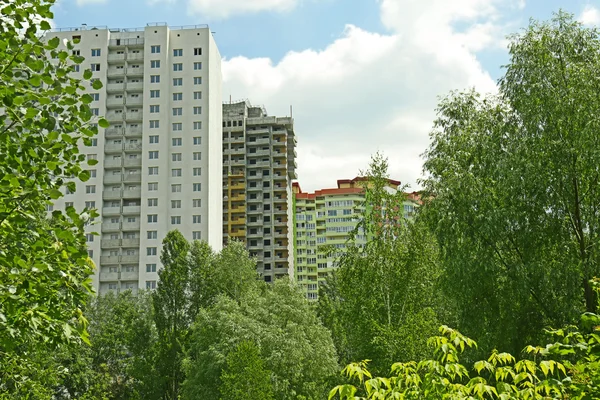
x,y
159,163
259,163
323,223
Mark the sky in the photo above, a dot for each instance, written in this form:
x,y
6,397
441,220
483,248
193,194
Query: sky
x,y
361,76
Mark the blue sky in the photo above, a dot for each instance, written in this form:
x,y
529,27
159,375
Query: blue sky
x,y
362,75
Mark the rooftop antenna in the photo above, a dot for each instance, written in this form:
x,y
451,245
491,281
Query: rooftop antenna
x,y
229,99
291,112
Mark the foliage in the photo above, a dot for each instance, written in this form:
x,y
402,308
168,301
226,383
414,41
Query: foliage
x,y
513,180
293,344
44,267
380,302
245,376
124,343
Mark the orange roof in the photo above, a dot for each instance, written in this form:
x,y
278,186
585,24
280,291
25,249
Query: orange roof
x,y
362,179
336,191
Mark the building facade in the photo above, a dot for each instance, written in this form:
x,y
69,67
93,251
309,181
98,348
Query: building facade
x,y
324,221
259,163
159,164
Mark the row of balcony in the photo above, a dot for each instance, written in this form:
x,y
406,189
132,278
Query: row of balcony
x,y
116,133
120,226
120,147
120,58
131,116
123,162
126,210
121,72
129,101
120,87
108,260
121,194
116,243
116,276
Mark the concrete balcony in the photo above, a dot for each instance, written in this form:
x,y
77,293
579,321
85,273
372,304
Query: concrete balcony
x,y
115,87
116,58
255,223
113,163
135,57
131,210
110,227
254,188
129,276
113,148
259,164
111,194
135,71
133,132
109,260
133,259
131,226
110,243
132,193
235,151
237,210
112,178
134,116
132,162
115,73
111,211
239,197
130,242
135,86
114,103
113,133
114,117
133,147
260,153
280,223
280,199
134,101
109,276
133,178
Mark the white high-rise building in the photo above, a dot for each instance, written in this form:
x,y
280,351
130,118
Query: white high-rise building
x,y
160,162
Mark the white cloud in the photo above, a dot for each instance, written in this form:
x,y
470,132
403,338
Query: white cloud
x,y
590,15
225,8
367,91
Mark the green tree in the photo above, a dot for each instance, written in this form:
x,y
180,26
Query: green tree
x,y
513,180
380,302
293,344
44,266
245,376
172,301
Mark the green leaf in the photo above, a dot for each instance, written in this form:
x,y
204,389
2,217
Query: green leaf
x,y
103,123
54,194
44,25
92,162
53,43
87,74
84,175
97,84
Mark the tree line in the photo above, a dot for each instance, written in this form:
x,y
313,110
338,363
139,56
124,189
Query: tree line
x,y
503,250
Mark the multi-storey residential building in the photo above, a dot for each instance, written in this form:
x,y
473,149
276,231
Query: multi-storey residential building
x,y
259,163
323,223
159,163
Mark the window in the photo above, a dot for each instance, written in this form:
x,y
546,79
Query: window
x,y
196,235
152,170
152,202
178,67
92,157
76,52
175,203
150,285
176,157
177,52
68,204
177,111
197,80
197,95
154,78
95,52
176,220
152,218
152,234
177,96
196,203
151,251
177,81
177,126
112,286
176,172
198,51
89,205
176,188
95,96
90,189
197,156
197,171
197,110
197,125
95,67
131,219
197,187
154,63
75,68
154,123
176,141
154,94
154,139
155,49
197,140
89,237
153,155
197,65
92,173
152,186
95,111
94,142
154,109
196,219
150,267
